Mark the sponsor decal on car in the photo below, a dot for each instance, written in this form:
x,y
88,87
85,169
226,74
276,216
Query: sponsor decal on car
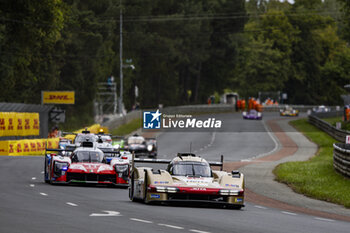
x,y
155,196
161,182
238,199
232,185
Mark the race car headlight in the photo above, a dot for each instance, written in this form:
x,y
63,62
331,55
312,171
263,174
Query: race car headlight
x,y
150,147
229,192
244,113
60,168
121,168
259,114
163,189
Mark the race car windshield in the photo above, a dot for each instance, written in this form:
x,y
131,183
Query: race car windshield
x,y
136,140
88,156
191,169
85,138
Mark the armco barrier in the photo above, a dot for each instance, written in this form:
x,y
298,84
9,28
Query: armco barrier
x,y
341,158
27,146
316,120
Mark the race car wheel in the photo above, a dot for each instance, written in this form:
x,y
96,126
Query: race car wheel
x,y
146,186
131,188
45,171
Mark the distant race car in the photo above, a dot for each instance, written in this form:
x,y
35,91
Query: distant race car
x,y
321,108
289,111
142,147
252,115
85,164
187,178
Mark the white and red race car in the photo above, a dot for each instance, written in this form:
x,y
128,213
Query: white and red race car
x,y
86,164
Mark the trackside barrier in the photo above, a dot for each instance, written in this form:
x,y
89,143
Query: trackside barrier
x,y
337,134
27,146
341,158
19,124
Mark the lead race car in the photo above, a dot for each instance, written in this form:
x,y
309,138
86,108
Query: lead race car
x,y
188,178
85,164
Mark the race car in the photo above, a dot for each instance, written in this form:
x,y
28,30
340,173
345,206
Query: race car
x,y
252,115
188,178
289,111
85,164
320,109
141,146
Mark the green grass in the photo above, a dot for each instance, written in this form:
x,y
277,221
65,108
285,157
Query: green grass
x,y
333,120
127,128
316,177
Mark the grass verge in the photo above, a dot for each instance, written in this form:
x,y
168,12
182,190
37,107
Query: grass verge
x,y
316,177
127,128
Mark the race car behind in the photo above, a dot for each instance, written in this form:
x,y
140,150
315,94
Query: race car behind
x,y
85,164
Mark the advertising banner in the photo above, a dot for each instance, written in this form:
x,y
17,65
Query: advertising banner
x,y
19,124
58,97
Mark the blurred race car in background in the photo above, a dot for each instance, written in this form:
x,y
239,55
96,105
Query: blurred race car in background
x,y
141,146
321,108
187,178
252,115
85,164
289,111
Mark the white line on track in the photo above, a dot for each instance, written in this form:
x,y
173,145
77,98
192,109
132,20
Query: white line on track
x,y
42,172
325,219
170,226
260,207
140,220
198,231
289,213
71,204
32,185
44,194
33,178
273,139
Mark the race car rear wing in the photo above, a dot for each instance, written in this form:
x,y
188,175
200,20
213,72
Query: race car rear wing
x,y
166,161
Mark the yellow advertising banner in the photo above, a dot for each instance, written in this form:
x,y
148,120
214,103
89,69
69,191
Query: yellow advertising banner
x,y
27,146
4,148
19,124
58,97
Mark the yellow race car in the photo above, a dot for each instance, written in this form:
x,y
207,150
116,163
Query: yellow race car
x,y
289,111
188,178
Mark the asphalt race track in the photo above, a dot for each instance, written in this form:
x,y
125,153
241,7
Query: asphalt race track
x,y
27,204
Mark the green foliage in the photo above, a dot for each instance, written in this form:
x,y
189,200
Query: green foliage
x,y
316,177
128,128
182,50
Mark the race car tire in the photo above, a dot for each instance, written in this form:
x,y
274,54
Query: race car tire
x,y
131,188
45,171
145,192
